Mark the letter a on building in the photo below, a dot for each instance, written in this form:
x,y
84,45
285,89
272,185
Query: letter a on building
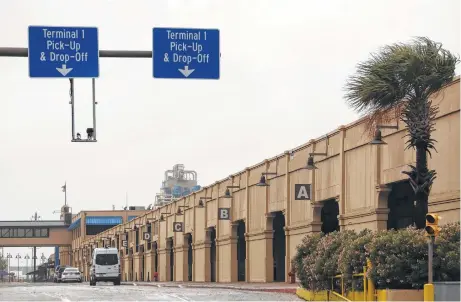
x,y
302,192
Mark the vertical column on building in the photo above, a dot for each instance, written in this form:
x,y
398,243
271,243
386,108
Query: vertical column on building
x,y
268,235
316,208
218,236
342,179
247,225
381,210
287,214
184,251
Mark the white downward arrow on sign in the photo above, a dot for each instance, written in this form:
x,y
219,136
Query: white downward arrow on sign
x,y
64,70
186,71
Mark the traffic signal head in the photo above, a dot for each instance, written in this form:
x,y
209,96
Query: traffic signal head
x,y
432,224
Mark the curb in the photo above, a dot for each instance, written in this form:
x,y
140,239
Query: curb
x,y
263,289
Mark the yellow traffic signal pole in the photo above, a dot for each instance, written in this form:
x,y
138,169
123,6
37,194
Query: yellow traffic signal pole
x,y
432,230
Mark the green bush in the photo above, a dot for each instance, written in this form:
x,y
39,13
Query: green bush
x,y
446,253
353,258
326,257
304,250
398,257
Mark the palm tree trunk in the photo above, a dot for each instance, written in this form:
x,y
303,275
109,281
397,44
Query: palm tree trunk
x,y
422,196
419,116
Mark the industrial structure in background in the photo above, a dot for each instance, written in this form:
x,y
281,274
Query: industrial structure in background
x,y
178,183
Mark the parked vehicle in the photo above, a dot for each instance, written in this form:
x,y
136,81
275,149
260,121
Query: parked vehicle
x,y
105,266
71,274
58,273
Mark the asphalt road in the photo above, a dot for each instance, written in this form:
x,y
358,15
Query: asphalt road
x,y
108,292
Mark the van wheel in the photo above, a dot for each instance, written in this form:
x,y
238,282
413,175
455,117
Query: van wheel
x,y
92,283
117,282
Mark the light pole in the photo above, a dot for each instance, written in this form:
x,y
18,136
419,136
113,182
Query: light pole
x,y
18,257
43,258
9,256
27,265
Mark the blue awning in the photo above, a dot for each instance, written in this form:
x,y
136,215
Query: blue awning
x,y
131,217
74,225
103,220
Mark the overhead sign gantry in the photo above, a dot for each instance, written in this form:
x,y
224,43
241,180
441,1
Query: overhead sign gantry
x,y
73,52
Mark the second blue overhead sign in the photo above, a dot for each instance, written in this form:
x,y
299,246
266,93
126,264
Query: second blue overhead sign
x,y
180,53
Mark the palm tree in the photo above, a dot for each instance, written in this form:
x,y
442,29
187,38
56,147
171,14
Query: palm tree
x,y
400,79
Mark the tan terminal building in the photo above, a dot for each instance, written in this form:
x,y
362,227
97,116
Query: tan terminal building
x,y
245,228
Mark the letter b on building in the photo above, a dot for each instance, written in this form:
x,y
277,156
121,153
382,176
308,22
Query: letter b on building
x,y
224,213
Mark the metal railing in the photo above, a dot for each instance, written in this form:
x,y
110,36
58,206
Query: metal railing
x,y
338,290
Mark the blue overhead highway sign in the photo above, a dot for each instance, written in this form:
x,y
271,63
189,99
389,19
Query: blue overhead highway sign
x,y
186,53
63,52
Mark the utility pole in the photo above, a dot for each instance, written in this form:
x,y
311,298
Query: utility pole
x,y
34,253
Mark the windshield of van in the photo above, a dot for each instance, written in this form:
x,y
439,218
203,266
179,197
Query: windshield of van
x,y
106,259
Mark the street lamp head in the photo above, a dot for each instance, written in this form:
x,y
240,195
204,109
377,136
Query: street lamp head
x,y
378,138
227,194
310,163
262,182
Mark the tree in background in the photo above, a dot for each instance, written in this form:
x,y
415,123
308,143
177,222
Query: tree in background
x,y
400,79
3,264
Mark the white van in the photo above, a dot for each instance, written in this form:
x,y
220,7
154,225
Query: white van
x,y
105,266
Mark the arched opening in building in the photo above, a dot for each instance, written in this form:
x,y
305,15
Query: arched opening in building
x,y
279,247
154,244
213,254
329,216
171,252
189,257
401,205
241,250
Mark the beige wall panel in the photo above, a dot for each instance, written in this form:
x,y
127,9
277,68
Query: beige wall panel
x,y
212,212
189,219
394,159
356,136
162,273
257,204
327,178
360,184
299,159
238,205
199,227
224,263
446,160
169,225
199,260
277,194
179,266
281,165
258,261
300,209
447,99
255,174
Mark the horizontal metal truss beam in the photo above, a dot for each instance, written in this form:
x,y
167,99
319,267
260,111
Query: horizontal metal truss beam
x,y
23,52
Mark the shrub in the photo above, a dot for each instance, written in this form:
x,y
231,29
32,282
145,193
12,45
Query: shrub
x,y
324,263
353,258
399,259
304,250
446,253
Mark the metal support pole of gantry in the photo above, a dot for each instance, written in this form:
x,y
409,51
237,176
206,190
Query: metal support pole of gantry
x,y
22,52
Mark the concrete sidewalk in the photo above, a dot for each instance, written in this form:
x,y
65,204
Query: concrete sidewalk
x,y
264,287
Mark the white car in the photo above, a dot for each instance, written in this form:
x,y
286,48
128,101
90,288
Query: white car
x,y
105,266
71,274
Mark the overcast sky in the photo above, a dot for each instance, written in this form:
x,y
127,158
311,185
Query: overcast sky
x,y
283,69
